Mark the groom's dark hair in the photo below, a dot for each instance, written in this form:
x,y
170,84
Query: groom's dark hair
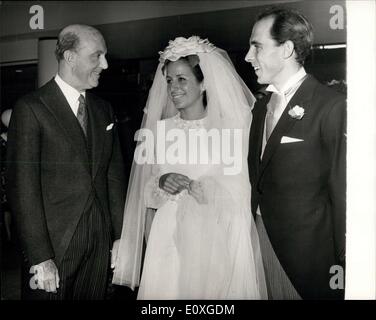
x,y
290,25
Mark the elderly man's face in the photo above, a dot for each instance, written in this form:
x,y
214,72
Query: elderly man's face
x,y
89,62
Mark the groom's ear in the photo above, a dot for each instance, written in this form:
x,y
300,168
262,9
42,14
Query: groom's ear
x,y
288,49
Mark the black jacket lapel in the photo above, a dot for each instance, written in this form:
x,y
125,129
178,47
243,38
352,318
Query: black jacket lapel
x,y
55,101
98,124
302,97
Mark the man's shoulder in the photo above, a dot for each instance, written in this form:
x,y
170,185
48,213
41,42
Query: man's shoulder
x,y
30,99
34,96
324,101
326,94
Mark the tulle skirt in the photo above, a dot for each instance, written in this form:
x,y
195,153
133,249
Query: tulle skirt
x,y
203,251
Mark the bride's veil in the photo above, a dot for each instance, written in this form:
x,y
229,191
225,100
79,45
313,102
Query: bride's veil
x,y
229,104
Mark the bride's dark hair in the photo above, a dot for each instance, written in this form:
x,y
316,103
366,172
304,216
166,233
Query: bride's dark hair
x,y
194,62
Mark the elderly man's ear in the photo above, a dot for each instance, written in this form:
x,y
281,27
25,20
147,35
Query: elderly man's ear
x,y
69,56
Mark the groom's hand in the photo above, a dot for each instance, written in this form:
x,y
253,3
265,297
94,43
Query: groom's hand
x,y
114,253
174,182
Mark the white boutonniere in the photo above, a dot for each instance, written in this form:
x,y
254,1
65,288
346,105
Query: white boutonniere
x,y
296,112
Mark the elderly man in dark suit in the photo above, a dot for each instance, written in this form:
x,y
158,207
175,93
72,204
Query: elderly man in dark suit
x,y
65,171
297,163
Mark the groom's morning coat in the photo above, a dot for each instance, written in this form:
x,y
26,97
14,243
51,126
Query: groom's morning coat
x,y
300,187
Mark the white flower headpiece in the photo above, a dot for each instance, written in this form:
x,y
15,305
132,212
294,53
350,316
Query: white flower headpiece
x,y
182,47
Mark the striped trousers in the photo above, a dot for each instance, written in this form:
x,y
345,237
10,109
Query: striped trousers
x,y
278,284
84,268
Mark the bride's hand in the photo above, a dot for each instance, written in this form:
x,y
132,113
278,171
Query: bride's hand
x,y
197,192
174,182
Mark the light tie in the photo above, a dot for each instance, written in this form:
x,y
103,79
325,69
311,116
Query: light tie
x,y
271,119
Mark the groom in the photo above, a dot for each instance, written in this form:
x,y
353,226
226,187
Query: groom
x,y
297,163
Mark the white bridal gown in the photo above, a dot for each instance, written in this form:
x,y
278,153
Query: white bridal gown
x,y
200,251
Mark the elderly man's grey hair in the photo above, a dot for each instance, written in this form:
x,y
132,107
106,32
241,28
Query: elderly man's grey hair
x,y
69,38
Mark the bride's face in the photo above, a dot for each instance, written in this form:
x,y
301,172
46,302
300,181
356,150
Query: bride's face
x,y
183,87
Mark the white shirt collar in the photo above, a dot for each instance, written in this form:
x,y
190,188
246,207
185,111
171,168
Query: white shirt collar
x,y
70,93
294,79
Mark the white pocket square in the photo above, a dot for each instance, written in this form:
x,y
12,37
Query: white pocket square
x,y
290,140
109,127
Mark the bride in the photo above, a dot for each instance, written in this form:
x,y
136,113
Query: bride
x,y
189,193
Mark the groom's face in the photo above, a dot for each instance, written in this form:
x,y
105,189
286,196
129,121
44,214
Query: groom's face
x,y
265,54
